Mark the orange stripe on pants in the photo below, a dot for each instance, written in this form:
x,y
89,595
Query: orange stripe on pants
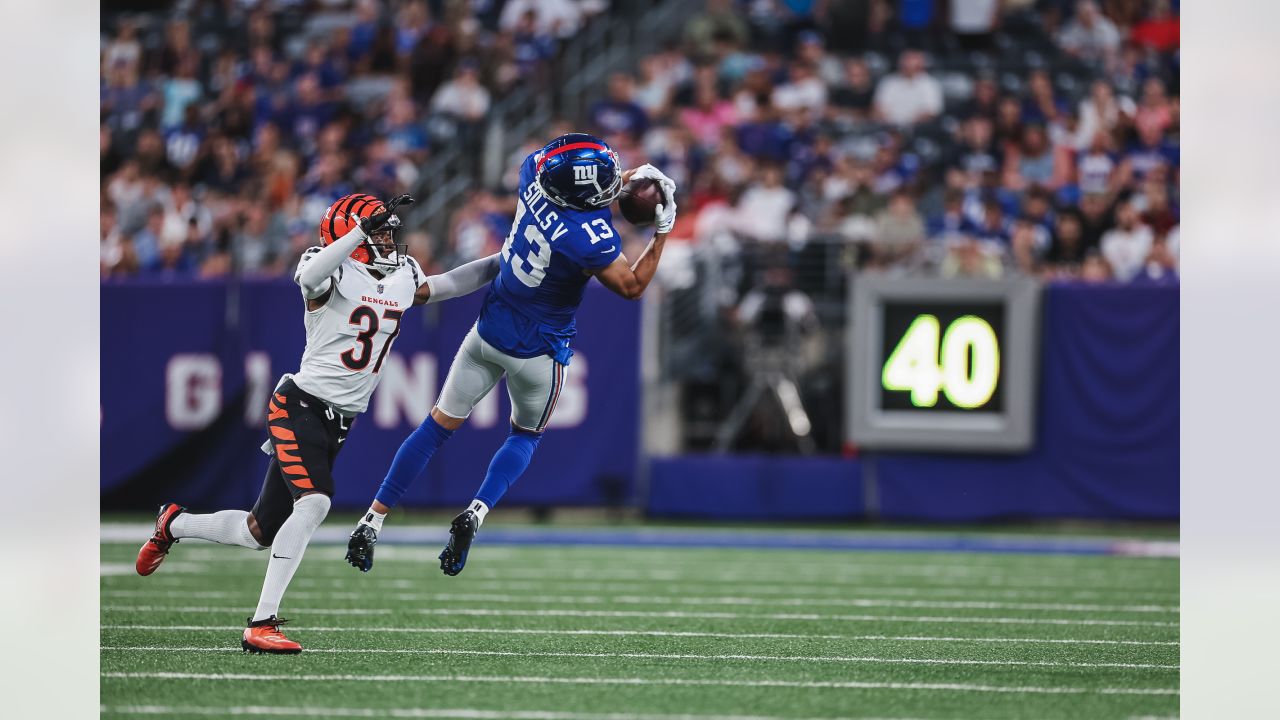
x,y
282,433
282,452
276,412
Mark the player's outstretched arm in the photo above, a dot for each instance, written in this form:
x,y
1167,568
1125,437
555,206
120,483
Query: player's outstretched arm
x,y
315,273
630,281
462,280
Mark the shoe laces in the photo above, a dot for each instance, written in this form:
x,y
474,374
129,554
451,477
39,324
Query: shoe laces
x,y
272,622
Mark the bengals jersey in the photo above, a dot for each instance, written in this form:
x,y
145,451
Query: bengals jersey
x,y
348,337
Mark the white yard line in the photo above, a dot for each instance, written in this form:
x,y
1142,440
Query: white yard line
x,y
507,679
381,583
663,633
672,614
459,713
837,573
672,656
662,600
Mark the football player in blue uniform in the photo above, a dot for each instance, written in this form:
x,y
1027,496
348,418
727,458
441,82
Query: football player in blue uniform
x,y
561,236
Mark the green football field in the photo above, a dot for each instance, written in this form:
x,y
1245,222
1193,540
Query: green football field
x,y
576,632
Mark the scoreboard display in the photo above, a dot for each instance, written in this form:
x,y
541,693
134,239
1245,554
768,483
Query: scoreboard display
x,y
942,364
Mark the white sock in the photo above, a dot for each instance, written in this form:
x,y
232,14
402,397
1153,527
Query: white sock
x,y
480,509
229,527
373,519
287,550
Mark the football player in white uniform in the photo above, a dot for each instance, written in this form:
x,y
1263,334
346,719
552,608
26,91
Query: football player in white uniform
x,y
356,286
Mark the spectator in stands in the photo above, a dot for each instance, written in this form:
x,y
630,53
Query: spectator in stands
x,y
811,49
653,92
951,220
180,91
1157,211
1025,250
1151,151
146,241
1032,163
804,91
910,95
1158,30
764,208
709,116
994,228
1102,112
984,99
852,100
966,258
899,231
531,49
1127,245
1090,35
1095,269
1067,248
619,112
976,152
463,97
557,18
474,233
295,121
1155,110
917,20
1096,168
1041,104
1008,124
973,23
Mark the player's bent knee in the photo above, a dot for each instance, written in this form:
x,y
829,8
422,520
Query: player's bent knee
x,y
517,430
316,505
446,421
259,535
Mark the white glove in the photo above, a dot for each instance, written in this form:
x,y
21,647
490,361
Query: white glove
x,y
664,214
652,173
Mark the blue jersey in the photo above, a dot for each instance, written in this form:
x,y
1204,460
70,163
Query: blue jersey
x,y
546,265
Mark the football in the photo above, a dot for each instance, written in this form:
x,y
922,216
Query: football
x,y
638,200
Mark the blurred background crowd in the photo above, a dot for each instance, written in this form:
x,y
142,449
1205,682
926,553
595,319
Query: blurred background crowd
x,y
959,137
810,139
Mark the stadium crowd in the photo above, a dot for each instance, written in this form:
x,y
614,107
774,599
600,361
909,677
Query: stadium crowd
x,y
964,138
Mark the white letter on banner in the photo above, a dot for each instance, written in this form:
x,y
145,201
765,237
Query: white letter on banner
x,y
413,390
193,390
257,387
571,406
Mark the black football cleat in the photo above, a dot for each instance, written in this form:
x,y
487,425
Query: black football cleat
x,y
461,532
360,547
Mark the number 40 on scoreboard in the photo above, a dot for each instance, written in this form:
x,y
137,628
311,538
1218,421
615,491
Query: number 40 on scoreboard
x,y
942,364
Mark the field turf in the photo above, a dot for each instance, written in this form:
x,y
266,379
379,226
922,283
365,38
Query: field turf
x,y
580,632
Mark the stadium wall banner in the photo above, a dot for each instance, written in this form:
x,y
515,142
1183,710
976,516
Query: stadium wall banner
x,y
186,370
1103,437
1106,441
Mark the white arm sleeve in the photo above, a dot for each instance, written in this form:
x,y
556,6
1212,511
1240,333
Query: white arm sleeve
x,y
316,269
463,279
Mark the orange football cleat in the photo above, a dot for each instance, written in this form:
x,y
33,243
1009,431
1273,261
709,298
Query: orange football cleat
x,y
154,549
264,636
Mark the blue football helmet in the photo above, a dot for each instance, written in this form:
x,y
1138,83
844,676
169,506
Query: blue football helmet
x,y
579,171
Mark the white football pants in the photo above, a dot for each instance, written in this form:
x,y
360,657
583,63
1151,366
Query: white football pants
x,y
533,384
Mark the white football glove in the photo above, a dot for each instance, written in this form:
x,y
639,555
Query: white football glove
x,y
664,215
648,171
